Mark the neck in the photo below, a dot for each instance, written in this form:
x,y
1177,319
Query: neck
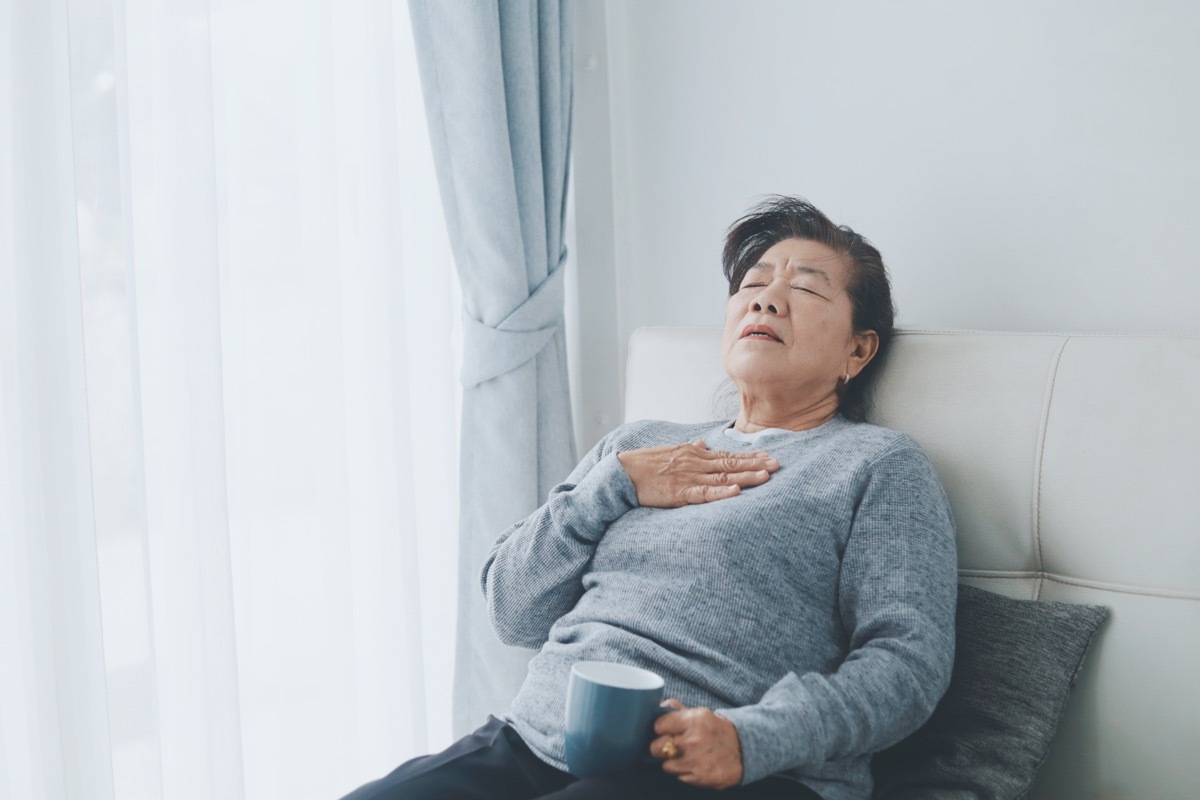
x,y
759,413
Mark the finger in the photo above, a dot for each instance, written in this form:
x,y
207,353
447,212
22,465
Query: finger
x,y
743,479
694,495
671,702
672,767
658,748
719,455
738,462
669,725
703,445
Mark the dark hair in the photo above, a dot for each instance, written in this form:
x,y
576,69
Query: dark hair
x,y
777,218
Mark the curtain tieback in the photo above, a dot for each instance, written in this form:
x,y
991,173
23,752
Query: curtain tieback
x,y
490,351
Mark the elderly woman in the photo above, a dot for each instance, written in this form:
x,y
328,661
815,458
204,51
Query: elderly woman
x,y
790,573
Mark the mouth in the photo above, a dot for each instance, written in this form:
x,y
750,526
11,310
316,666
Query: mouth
x,y
760,332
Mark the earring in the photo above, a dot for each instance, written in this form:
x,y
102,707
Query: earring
x,y
847,378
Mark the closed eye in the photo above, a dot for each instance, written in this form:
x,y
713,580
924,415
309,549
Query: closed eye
x,y
810,291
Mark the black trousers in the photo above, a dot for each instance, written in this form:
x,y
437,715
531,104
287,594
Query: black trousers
x,y
494,763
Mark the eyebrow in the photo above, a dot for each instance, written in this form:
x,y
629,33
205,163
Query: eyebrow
x,y
801,268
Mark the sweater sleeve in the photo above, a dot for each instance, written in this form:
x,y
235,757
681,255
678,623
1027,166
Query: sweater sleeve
x,y
897,594
533,574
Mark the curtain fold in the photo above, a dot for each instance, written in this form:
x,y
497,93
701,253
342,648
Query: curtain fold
x,y
54,717
497,87
228,439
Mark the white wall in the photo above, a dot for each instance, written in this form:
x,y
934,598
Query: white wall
x,y
1024,165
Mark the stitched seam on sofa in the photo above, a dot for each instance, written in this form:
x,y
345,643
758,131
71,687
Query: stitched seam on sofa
x,y
1037,489
1077,334
959,332
715,329
1170,594
1119,588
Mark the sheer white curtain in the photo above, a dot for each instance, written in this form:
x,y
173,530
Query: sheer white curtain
x,y
228,406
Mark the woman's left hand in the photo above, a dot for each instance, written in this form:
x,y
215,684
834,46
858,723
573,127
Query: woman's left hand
x,y
698,747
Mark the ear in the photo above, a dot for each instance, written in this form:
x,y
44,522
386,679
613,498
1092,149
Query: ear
x,y
864,346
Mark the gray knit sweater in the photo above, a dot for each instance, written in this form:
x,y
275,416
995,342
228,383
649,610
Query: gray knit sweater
x,y
816,612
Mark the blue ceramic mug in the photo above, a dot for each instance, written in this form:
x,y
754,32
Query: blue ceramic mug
x,y
611,710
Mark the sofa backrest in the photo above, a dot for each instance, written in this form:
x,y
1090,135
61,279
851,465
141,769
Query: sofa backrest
x,y
1072,463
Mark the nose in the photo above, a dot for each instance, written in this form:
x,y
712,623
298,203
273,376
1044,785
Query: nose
x,y
770,300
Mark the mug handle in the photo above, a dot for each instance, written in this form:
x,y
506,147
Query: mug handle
x,y
649,760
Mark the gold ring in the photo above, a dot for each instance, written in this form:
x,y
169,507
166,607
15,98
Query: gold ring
x,y
669,750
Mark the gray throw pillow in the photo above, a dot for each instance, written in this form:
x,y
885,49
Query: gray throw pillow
x,y
1014,665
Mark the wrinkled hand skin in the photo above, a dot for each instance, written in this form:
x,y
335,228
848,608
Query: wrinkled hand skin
x,y
709,753
677,475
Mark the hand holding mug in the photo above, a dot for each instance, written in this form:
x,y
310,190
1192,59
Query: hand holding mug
x,y
677,475
698,746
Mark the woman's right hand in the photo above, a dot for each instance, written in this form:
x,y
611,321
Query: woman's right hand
x,y
677,475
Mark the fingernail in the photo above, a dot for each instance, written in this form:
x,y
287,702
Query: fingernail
x,y
771,462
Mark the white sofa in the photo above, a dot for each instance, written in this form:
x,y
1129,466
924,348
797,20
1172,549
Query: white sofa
x,y
1073,466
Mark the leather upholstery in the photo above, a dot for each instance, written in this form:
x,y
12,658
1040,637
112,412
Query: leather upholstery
x,y
1072,463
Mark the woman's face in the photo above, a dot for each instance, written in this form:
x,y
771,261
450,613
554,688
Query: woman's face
x,y
789,325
